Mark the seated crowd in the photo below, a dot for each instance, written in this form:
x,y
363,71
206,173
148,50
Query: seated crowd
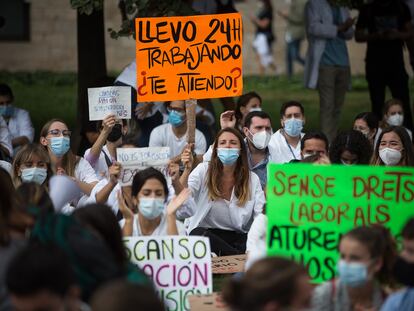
x,y
212,187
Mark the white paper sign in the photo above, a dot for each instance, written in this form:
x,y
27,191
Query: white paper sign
x,y
134,160
62,190
180,266
112,99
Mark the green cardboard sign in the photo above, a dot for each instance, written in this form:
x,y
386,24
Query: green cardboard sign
x,y
310,206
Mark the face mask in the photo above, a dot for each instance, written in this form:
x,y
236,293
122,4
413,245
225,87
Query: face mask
x,y
261,139
404,271
151,208
175,118
390,156
293,127
367,134
347,163
115,134
6,110
34,174
228,156
395,120
59,145
352,274
255,109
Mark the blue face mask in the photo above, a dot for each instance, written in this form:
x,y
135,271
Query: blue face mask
x,y
59,145
151,208
34,174
228,156
353,274
175,118
6,110
293,127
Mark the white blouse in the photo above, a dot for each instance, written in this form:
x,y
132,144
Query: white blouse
x,y
199,205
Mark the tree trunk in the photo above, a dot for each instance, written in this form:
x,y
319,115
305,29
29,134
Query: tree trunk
x,y
91,64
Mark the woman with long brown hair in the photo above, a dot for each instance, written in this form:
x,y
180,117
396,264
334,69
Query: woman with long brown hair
x,y
55,137
393,148
227,195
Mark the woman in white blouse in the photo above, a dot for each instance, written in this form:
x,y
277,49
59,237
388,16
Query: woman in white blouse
x,y
149,196
55,137
227,195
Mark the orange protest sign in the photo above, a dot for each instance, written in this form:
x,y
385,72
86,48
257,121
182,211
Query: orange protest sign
x,y
189,57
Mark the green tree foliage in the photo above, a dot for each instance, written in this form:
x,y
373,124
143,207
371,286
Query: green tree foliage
x,y
130,9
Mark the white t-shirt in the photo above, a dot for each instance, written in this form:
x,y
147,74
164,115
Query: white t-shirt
x,y
100,166
5,137
20,124
280,151
256,240
85,173
159,231
163,136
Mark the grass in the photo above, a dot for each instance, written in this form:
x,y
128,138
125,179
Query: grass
x,y
53,95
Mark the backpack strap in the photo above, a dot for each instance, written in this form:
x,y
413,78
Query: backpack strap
x,y
107,159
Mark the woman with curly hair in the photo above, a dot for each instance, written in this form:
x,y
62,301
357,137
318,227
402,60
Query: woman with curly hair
x,y
350,147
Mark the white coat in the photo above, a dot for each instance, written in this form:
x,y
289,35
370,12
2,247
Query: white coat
x,y
319,28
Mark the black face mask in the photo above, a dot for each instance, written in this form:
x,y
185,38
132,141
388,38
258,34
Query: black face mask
x,y
115,134
404,272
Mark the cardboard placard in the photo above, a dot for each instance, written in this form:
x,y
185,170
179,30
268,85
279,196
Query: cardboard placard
x,y
189,57
179,266
134,160
310,206
210,302
228,264
111,99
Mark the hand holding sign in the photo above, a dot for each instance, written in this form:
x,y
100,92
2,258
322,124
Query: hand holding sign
x,y
108,123
115,172
125,210
177,201
187,156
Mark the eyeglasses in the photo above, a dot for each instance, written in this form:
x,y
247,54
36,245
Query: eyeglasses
x,y
57,132
179,110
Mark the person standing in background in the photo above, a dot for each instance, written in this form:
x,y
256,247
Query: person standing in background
x,y
327,65
384,25
264,38
295,33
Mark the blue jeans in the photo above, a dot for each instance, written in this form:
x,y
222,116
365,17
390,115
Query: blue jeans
x,y
293,54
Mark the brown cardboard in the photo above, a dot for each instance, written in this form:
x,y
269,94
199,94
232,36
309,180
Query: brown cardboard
x,y
228,264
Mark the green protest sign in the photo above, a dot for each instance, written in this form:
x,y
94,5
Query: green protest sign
x,y
310,206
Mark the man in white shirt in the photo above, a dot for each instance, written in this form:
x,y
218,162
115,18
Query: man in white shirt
x,y
174,133
18,120
284,146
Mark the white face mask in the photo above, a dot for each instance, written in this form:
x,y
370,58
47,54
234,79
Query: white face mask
x,y
255,109
395,119
390,156
261,139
